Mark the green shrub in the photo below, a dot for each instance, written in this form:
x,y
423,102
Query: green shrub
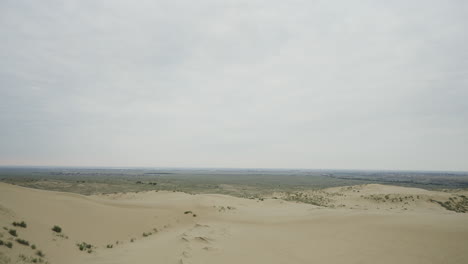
x,y
1,242
22,241
57,229
8,244
13,232
187,212
33,246
20,224
40,254
110,246
84,246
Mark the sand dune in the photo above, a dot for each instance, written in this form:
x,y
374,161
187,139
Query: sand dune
x,y
361,224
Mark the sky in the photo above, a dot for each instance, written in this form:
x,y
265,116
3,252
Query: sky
x,y
237,84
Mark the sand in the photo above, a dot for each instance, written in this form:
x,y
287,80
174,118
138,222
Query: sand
x,y
357,225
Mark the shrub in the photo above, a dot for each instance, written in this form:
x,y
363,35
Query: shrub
x,y
187,212
20,224
13,232
22,241
84,246
131,240
40,254
1,242
147,234
9,244
110,246
33,246
57,229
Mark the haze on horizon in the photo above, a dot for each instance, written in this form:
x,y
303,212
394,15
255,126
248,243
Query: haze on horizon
x,y
249,83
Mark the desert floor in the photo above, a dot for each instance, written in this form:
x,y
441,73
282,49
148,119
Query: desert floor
x,y
359,224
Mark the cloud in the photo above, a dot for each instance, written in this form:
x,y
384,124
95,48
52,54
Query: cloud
x,y
311,84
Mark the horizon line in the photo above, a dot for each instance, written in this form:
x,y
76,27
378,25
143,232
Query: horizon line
x,y
225,168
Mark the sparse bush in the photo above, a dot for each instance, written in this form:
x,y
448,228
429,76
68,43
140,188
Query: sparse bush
x,y
8,244
132,240
57,229
147,234
456,205
40,254
1,242
33,246
194,215
188,212
22,241
62,235
13,232
20,224
110,246
84,246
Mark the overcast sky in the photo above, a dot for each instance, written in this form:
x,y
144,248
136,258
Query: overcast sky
x,y
246,83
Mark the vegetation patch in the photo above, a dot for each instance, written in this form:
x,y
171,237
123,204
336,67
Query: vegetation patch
x,y
20,224
457,204
57,229
22,242
83,246
314,198
62,235
25,259
13,232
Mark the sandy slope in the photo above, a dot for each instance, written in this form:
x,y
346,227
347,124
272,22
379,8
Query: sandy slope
x,y
234,230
